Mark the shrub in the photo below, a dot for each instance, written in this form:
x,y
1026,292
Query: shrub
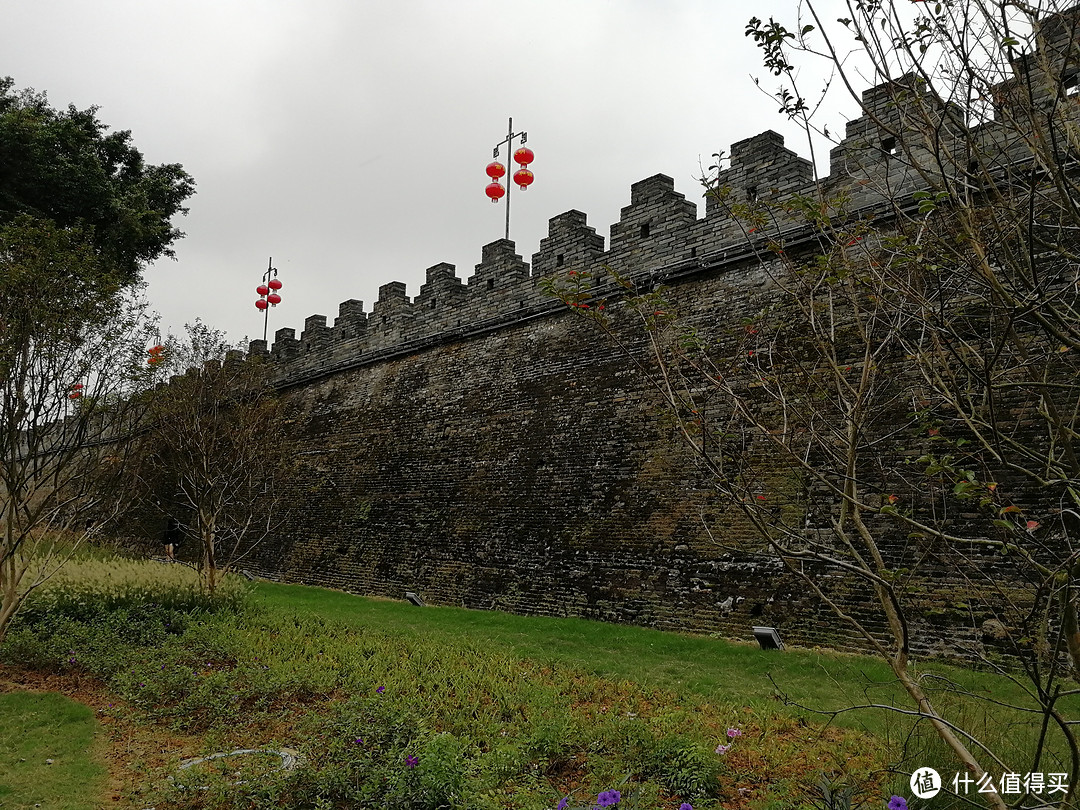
x,y
372,750
682,767
93,627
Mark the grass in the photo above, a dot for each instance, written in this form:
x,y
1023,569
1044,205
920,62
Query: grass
x,y
490,728
722,672
46,753
713,669
500,711
91,564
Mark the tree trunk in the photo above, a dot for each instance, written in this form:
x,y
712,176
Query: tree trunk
x,y
209,572
9,598
8,607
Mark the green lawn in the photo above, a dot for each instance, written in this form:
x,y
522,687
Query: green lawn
x,y
507,710
719,671
725,673
46,753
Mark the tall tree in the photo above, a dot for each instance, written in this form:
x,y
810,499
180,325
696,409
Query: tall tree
x,y
80,216
211,448
72,363
66,167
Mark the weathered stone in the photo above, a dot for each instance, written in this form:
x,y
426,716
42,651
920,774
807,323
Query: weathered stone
x,y
484,447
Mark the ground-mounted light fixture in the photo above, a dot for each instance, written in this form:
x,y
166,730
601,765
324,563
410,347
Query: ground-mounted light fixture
x,y
768,638
414,599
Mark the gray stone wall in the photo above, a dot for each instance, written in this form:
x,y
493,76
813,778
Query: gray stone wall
x,y
482,446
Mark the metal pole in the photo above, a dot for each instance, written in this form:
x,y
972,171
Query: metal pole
x,y
266,312
509,177
510,135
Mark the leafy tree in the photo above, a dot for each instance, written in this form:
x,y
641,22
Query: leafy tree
x,y
211,448
71,366
80,216
64,166
903,396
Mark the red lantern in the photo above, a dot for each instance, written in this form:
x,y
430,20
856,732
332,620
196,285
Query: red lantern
x,y
76,391
275,284
261,304
524,156
262,289
495,170
495,191
274,299
523,177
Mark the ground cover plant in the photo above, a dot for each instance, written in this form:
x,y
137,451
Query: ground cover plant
x,y
709,668
392,706
815,684
395,718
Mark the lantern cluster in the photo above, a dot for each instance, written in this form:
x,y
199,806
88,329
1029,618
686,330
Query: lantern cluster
x,y
268,294
75,391
157,355
495,189
523,177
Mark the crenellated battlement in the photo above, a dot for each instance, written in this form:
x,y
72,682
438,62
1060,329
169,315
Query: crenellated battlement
x,y
876,166
659,228
478,444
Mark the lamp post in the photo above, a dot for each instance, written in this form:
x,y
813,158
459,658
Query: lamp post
x,y
268,293
523,176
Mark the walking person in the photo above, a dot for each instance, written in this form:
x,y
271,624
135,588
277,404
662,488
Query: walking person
x,y
171,538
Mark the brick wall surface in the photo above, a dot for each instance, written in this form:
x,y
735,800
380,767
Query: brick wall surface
x,y
482,446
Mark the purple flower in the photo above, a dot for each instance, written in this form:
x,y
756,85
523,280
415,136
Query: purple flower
x,y
381,689
685,806
898,803
359,740
411,761
722,749
733,733
608,798
565,800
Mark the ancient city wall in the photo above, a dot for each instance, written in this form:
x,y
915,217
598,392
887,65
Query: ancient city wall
x,y
482,446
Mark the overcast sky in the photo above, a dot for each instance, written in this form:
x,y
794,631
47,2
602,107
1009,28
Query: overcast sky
x,y
348,139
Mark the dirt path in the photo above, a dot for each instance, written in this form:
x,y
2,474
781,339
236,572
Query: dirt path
x,y
134,754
